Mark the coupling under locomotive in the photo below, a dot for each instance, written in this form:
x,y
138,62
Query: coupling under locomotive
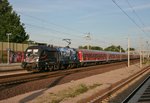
x,y
43,58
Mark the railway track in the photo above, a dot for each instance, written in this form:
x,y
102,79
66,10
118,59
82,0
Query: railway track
x,y
14,84
11,72
13,79
141,94
10,68
107,95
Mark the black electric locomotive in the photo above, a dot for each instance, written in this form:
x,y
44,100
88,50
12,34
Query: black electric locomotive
x,y
45,58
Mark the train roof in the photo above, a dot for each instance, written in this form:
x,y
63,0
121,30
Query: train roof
x,y
42,47
90,50
110,52
116,52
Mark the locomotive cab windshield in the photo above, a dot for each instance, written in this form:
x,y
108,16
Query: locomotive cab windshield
x,y
40,58
31,52
32,55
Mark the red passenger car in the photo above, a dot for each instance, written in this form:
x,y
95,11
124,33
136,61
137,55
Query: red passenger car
x,y
86,56
95,56
114,56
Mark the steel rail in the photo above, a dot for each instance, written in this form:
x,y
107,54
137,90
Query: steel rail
x,y
115,87
94,67
27,77
11,70
135,90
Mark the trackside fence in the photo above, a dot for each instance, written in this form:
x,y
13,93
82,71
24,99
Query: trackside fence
x,y
16,51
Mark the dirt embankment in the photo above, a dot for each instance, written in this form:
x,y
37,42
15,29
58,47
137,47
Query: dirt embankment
x,y
74,91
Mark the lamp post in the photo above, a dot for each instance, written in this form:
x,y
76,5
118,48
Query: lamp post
x,y
147,50
128,52
88,37
140,53
8,34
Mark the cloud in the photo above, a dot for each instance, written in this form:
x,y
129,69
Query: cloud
x,y
127,8
40,7
139,7
31,10
147,29
88,16
142,7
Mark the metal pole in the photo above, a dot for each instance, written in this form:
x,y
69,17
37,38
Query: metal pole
x,y
8,49
128,52
88,37
148,51
142,52
120,52
120,49
140,55
88,47
140,58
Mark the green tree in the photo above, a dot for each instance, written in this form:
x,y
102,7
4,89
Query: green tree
x,y
114,48
10,23
91,47
96,48
83,47
131,49
80,47
120,49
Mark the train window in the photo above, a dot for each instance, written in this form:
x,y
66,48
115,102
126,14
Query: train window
x,y
29,52
35,51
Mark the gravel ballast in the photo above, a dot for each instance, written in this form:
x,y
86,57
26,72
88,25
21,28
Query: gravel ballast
x,y
103,81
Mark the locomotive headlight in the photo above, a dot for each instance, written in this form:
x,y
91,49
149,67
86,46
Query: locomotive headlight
x,y
37,59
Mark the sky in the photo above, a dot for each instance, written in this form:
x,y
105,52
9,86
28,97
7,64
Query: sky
x,y
51,21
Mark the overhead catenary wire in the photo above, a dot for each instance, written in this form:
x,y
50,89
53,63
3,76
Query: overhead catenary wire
x,y
46,28
58,31
129,17
140,20
41,27
135,13
48,22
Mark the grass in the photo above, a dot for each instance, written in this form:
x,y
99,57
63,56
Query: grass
x,y
94,86
69,93
146,62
